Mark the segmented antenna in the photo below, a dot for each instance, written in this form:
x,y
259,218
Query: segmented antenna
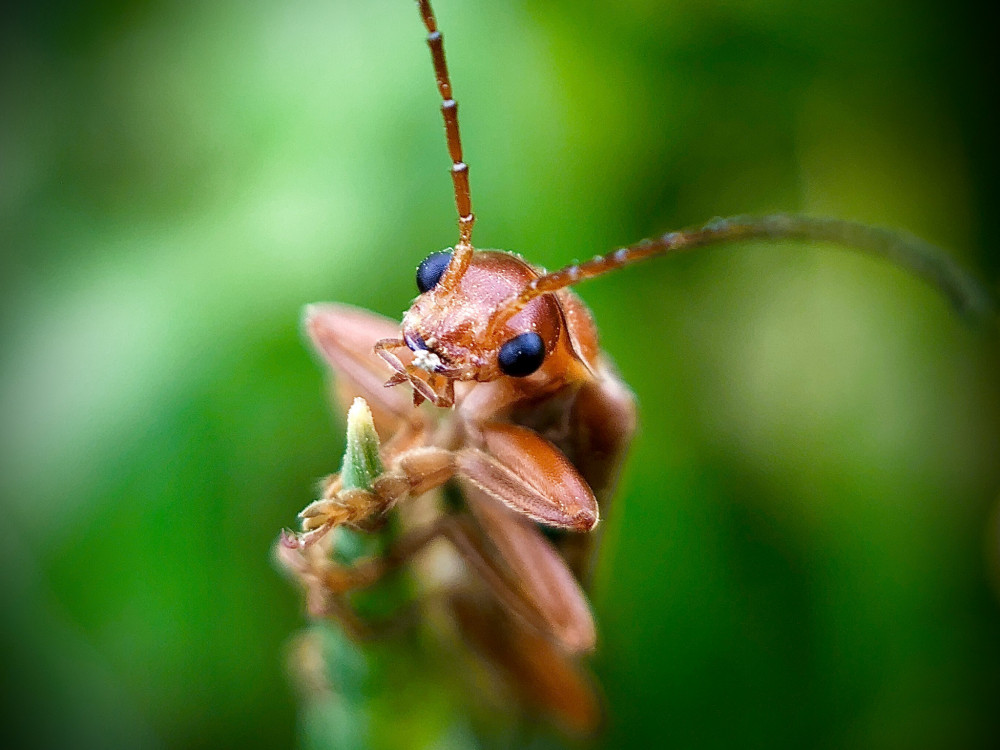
x,y
910,253
459,169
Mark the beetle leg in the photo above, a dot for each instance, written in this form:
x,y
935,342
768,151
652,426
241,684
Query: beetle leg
x,y
521,471
529,475
413,471
326,582
308,555
518,467
467,539
503,549
432,386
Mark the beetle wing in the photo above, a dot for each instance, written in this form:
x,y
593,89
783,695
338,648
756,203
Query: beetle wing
x,y
538,573
546,677
345,337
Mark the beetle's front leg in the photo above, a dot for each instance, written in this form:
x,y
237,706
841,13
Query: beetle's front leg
x,y
309,555
514,465
522,471
413,471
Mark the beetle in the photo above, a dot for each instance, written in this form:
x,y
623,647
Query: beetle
x,y
529,419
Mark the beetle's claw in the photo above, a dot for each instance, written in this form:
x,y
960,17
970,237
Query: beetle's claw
x,y
397,379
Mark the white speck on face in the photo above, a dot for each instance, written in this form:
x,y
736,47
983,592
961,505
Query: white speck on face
x,y
426,360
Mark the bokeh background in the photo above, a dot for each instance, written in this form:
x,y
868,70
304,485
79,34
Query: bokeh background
x,y
804,548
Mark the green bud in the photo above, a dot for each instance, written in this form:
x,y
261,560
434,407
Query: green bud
x,y
362,463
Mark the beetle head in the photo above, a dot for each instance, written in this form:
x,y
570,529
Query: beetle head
x,y
454,332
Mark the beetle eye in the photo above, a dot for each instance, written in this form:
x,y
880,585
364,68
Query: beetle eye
x,y
522,355
431,269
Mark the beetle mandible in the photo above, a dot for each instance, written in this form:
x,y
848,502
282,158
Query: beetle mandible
x,y
532,424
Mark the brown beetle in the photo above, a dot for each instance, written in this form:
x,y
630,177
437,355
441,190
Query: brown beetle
x,y
532,425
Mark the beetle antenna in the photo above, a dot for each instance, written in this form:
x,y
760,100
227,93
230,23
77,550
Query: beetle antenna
x,y
920,258
459,169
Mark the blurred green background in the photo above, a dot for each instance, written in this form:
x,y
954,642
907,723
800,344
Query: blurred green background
x,y
803,548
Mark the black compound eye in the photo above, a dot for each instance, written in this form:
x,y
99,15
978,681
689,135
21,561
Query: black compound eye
x,y
431,269
522,355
